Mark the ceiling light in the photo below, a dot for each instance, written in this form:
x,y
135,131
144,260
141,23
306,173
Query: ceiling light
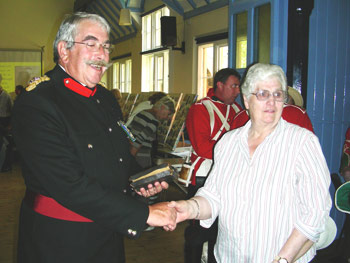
x,y
125,17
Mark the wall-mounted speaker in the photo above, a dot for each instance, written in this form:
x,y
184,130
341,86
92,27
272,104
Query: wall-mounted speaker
x,y
168,31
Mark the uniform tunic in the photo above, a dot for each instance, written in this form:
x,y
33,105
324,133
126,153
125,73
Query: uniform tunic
x,y
260,199
74,151
198,128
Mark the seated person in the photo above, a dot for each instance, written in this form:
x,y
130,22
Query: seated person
x,y
292,113
145,105
144,128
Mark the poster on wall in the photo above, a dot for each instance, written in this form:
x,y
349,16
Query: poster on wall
x,y
18,73
18,68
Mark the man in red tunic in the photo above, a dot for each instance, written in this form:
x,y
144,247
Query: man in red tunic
x,y
206,122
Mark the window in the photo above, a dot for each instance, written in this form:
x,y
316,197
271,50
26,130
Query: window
x,y
151,31
262,33
211,58
122,75
155,66
253,46
155,72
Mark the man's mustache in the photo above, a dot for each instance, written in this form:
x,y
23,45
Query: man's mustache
x,y
100,63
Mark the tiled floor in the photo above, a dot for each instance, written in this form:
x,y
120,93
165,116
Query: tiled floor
x,y
153,246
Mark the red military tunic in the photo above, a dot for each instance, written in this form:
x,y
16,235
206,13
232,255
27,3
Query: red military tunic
x,y
199,130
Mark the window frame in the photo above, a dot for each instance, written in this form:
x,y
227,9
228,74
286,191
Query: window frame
x,y
119,65
278,30
216,45
151,28
153,53
150,71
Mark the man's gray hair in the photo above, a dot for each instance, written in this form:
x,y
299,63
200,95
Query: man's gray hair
x,y
68,29
262,72
166,101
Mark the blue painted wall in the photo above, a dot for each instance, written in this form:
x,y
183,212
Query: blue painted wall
x,y
328,94
328,100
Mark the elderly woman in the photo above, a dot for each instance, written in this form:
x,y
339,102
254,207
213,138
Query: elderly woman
x,y
269,182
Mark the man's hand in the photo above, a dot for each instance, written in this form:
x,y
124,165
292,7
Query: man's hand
x,y
161,214
153,189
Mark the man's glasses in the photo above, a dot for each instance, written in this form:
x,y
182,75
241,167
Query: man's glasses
x,y
264,95
95,46
235,86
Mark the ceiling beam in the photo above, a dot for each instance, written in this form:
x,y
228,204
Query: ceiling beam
x,y
173,4
205,8
192,3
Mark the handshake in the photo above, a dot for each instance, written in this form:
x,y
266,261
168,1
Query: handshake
x,y
165,214
168,214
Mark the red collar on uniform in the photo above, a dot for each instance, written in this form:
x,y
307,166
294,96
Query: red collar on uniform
x,y
78,88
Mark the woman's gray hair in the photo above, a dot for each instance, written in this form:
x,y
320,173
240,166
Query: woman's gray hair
x,y
68,29
262,72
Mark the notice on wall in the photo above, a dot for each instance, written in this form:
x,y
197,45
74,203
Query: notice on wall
x,y
17,67
18,73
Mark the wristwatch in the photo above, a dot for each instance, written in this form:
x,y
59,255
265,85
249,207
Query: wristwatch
x,y
281,260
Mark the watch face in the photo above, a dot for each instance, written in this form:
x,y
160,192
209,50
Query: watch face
x,y
282,260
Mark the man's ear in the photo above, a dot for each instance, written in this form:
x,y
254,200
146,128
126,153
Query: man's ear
x,y
219,84
63,52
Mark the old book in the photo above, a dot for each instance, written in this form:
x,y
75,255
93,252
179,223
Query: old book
x,y
159,173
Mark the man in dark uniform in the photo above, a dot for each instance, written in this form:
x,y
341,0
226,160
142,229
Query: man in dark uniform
x,y
76,158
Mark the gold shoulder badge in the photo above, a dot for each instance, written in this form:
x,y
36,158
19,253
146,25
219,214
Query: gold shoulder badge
x,y
102,84
35,81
